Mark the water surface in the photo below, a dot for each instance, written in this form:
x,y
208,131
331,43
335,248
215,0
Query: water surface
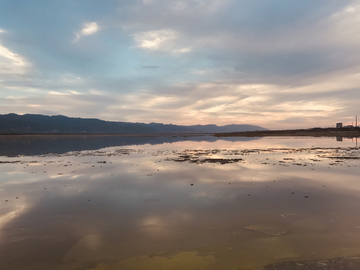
x,y
191,204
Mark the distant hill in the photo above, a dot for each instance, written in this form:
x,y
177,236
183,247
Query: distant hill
x,y
36,123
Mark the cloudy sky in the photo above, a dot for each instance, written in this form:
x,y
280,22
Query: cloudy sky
x,y
278,64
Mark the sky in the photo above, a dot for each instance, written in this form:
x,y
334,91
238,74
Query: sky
x,y
278,64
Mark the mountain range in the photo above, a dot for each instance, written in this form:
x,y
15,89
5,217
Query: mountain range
x,y
36,123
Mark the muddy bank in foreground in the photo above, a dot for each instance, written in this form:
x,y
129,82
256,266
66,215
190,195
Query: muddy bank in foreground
x,y
345,263
265,204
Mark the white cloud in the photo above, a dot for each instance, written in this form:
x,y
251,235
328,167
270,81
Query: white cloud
x,y
87,30
11,63
350,9
95,92
16,59
155,40
159,40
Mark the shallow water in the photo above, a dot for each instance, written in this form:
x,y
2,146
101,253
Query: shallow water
x,y
189,204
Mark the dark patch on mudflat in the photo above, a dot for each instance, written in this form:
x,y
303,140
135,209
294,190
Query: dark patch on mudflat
x,y
207,160
344,158
221,160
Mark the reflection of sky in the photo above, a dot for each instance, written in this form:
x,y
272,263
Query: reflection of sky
x,y
259,143
143,202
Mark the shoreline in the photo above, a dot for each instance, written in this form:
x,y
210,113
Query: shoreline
x,y
315,132
330,132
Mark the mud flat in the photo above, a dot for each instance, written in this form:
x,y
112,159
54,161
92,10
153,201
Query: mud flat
x,y
286,203
345,263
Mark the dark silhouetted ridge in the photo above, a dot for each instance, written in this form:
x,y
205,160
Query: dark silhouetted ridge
x,y
36,123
